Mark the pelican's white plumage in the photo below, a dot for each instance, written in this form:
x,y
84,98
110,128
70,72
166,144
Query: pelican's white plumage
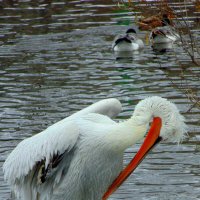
x,y
172,122
78,157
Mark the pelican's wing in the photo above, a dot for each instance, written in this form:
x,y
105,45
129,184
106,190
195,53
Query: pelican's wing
x,y
37,157
44,148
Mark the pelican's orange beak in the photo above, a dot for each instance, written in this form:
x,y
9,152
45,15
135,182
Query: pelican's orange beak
x,y
150,142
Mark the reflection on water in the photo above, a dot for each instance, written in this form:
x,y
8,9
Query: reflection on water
x,y
163,48
56,58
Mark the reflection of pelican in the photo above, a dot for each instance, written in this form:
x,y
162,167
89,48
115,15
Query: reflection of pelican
x,y
78,157
164,33
127,42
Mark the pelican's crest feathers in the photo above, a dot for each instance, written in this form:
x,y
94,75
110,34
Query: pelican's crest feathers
x,y
173,126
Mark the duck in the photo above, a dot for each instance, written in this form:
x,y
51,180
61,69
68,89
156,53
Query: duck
x,y
149,23
165,33
127,42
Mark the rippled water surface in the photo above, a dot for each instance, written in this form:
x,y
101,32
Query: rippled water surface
x,y
56,58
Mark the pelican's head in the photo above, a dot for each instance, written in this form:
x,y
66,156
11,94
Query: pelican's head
x,y
173,128
166,124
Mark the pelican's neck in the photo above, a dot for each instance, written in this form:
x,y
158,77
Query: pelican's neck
x,y
126,134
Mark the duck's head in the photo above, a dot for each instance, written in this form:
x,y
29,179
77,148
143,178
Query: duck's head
x,y
165,20
131,30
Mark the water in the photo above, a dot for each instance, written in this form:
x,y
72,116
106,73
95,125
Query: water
x,y
56,58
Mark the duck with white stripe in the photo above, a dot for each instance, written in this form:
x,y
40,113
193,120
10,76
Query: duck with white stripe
x,y
127,42
164,34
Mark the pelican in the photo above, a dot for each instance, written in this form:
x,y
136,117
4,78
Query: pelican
x,y
81,156
127,42
163,34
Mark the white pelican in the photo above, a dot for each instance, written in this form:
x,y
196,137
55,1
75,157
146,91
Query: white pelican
x,y
80,156
163,34
127,42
